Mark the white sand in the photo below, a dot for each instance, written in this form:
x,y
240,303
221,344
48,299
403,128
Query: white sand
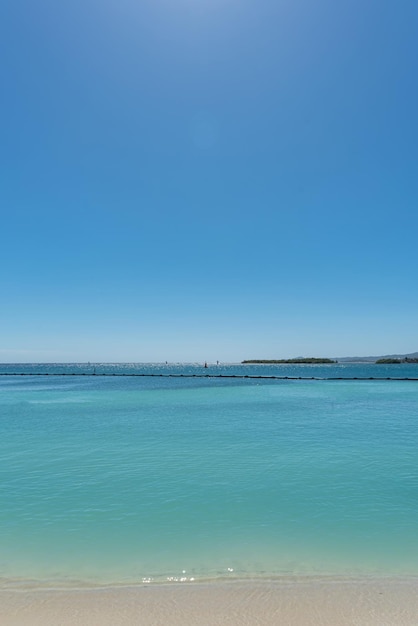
x,y
303,602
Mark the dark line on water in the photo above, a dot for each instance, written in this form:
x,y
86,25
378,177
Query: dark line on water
x,y
250,376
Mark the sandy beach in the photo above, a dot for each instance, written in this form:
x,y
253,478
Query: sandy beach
x,y
305,602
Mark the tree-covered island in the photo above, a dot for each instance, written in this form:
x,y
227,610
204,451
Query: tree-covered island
x,y
391,361
296,361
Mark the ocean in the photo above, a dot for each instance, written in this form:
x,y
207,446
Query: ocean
x,y
181,476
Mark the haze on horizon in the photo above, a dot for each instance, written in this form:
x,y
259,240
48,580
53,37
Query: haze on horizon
x,y
211,181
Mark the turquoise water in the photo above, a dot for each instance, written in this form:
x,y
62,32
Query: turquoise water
x,y
128,479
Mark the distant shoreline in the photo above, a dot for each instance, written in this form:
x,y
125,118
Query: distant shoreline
x,y
397,360
296,361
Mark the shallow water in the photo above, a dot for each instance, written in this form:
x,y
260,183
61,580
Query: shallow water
x,y
130,479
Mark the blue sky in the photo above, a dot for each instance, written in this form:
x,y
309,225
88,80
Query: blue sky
x,y
207,179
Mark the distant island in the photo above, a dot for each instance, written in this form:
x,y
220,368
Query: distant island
x,y
298,361
391,361
412,357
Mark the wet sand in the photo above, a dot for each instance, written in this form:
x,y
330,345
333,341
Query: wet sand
x,y
302,602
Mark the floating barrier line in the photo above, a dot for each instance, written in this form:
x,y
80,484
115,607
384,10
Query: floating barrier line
x,y
248,376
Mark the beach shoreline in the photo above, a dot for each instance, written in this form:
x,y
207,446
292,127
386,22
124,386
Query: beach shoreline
x,y
289,601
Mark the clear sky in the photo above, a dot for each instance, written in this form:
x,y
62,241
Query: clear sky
x,y
191,180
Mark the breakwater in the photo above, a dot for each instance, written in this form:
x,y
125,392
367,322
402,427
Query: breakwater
x,y
241,376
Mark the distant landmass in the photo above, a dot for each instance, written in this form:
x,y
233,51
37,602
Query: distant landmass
x,y
297,360
401,358
386,359
396,361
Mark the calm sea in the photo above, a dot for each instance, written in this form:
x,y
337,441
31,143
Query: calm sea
x,y
129,479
